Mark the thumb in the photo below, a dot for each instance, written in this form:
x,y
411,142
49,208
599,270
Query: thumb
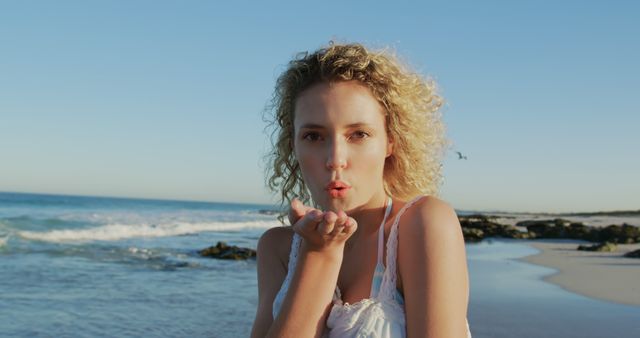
x,y
296,211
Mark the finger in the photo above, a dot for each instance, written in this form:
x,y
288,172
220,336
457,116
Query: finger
x,y
293,212
350,226
328,222
340,223
337,229
297,210
310,220
316,216
342,217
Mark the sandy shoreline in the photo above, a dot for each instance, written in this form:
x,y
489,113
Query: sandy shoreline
x,y
601,275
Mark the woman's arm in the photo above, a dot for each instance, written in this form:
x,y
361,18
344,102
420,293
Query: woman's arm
x,y
433,267
308,299
271,273
307,303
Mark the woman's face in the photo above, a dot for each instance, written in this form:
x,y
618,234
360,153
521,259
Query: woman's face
x,y
340,141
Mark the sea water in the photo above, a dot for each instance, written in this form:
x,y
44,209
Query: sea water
x,y
106,267
110,267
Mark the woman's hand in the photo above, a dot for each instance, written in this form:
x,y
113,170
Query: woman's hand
x,y
321,230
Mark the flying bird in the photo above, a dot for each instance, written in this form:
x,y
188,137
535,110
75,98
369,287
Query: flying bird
x,y
460,156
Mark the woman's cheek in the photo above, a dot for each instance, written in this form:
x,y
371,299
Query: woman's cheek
x,y
310,167
371,157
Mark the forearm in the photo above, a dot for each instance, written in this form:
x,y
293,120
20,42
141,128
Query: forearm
x,y
304,307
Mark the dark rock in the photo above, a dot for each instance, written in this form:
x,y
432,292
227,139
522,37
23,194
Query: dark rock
x,y
476,227
581,231
561,228
472,235
224,251
546,228
601,247
549,228
633,254
625,234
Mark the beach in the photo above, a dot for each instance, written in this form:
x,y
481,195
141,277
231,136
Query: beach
x,y
106,267
602,275
510,297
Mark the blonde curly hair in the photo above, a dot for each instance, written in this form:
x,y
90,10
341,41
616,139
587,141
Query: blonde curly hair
x,y
412,116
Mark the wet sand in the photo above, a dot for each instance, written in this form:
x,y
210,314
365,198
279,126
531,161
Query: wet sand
x,y
509,298
605,276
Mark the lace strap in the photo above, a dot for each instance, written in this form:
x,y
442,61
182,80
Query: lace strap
x,y
381,231
388,286
293,257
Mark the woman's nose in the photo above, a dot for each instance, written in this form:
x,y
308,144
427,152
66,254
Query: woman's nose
x,y
337,158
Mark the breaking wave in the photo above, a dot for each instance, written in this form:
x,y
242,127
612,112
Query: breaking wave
x,y
114,232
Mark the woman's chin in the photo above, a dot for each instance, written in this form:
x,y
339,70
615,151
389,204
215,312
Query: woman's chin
x,y
328,203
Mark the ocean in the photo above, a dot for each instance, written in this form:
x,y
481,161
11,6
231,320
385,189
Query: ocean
x,y
76,266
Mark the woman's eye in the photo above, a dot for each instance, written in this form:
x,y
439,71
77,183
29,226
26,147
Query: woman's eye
x,y
311,136
360,134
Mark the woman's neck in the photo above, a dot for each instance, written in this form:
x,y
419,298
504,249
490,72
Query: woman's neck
x,y
369,217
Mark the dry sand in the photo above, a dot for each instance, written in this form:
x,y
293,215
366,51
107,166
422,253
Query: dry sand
x,y
601,275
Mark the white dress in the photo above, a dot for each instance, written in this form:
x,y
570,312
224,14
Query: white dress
x,y
382,315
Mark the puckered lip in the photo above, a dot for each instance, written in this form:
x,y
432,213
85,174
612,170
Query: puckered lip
x,y
337,185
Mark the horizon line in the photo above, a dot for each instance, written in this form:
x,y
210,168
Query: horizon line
x,y
494,211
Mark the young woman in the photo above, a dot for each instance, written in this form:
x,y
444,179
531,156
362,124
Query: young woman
x,y
370,252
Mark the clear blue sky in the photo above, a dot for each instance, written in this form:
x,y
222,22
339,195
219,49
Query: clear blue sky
x,y
163,99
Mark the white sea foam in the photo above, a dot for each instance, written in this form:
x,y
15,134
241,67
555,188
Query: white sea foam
x,y
3,241
114,232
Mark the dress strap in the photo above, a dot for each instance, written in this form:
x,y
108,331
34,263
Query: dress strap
x,y
291,267
388,286
293,257
381,231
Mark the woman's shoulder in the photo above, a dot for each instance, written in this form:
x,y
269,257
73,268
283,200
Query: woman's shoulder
x,y
278,233
431,205
428,231
425,204
276,243
429,215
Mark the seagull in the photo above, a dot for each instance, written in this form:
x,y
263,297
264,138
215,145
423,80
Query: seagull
x,y
460,156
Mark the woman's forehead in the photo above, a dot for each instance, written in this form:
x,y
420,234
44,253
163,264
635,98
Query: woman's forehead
x,y
340,104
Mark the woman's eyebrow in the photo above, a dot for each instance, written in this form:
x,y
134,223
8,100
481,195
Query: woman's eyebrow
x,y
319,126
311,126
358,124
